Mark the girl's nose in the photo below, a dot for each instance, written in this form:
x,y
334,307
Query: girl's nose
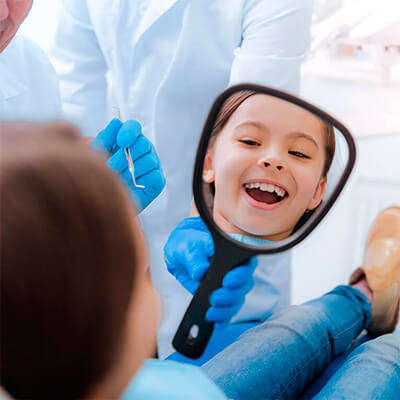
x,y
3,10
273,163
276,165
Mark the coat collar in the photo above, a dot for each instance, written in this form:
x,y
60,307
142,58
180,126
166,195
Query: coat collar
x,y
151,11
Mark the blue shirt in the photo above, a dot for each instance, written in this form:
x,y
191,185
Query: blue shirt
x,y
170,380
253,241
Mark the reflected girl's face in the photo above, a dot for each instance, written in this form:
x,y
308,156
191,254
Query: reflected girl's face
x,y
267,165
12,14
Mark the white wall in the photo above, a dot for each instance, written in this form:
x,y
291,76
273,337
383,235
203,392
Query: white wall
x,y
336,247
354,91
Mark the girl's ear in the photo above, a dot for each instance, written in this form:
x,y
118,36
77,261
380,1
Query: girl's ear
x,y
208,172
319,192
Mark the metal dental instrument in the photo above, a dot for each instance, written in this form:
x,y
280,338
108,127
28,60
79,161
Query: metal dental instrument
x,y
131,167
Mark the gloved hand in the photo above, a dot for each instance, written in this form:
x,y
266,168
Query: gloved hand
x,y
112,141
187,254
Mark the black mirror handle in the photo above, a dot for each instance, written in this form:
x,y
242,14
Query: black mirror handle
x,y
195,331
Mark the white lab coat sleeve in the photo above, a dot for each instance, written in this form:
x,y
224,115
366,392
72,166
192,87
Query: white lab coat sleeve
x,y
81,68
276,37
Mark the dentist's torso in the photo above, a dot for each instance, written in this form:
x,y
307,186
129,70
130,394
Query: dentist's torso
x,y
168,61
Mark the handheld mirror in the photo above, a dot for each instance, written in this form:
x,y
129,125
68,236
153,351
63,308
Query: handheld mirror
x,y
268,168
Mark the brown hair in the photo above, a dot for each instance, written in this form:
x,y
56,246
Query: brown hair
x,y
235,100
67,262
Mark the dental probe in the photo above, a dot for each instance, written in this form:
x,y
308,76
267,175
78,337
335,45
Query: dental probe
x,y
131,167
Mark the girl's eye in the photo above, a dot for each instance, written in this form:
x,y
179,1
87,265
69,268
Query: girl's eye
x,y
299,154
249,142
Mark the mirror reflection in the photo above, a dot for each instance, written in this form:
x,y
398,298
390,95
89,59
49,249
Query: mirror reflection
x,y
270,164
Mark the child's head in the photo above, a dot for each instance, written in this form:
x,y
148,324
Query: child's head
x,y
268,160
78,312
12,14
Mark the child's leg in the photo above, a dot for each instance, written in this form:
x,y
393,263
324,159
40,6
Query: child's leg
x,y
332,368
281,357
371,371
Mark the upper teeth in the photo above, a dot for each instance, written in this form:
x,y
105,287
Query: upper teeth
x,y
266,187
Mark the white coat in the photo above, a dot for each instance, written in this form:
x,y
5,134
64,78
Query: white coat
x,y
167,60
29,88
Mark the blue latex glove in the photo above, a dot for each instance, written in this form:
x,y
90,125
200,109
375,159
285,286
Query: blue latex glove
x,y
112,141
187,254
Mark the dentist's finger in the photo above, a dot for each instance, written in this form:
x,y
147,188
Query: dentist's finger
x,y
240,275
146,164
140,147
118,162
106,139
222,314
224,297
128,133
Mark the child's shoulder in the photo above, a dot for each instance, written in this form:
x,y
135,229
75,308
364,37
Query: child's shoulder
x,y
165,379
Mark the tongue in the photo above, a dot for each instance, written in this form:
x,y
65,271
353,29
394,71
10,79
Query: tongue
x,y
263,196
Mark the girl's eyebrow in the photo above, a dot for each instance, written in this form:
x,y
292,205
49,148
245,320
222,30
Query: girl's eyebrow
x,y
257,124
302,135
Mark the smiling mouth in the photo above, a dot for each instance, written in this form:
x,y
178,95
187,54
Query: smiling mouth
x,y
265,192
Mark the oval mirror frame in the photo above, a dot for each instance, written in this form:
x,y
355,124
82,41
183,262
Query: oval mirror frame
x,y
316,218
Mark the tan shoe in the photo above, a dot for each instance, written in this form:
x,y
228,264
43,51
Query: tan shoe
x,y
381,267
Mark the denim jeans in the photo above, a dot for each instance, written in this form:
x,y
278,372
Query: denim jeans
x,y
280,358
371,371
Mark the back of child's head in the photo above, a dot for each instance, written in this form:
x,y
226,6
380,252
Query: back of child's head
x,y
67,262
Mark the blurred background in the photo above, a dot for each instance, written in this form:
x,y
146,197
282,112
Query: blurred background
x,y
353,72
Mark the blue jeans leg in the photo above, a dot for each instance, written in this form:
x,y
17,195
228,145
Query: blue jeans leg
x,y
371,371
281,357
332,368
